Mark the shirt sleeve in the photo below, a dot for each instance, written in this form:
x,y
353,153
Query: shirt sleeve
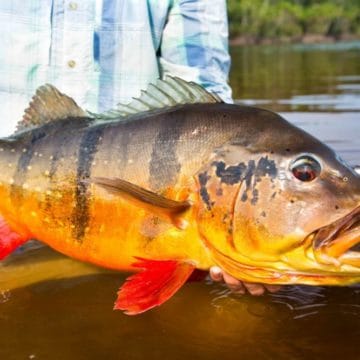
x,y
194,45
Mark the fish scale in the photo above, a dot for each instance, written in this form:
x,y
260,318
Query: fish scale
x,y
162,189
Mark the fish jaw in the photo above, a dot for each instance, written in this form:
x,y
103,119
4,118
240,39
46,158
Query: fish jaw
x,y
338,242
300,263
294,268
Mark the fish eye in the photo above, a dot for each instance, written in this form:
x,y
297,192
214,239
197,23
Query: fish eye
x,y
305,168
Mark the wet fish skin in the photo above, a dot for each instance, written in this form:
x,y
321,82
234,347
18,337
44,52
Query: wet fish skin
x,y
249,214
56,158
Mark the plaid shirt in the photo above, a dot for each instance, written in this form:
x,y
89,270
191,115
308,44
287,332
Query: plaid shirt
x,y
102,52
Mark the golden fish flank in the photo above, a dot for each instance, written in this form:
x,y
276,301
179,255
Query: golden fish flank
x,y
178,180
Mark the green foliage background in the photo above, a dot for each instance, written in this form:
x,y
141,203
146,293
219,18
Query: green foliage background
x,y
293,18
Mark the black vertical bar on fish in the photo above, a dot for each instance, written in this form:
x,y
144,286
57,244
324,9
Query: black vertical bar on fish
x,y
164,165
60,144
121,141
88,148
22,166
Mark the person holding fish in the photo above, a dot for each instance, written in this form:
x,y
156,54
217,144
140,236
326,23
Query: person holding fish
x,y
104,52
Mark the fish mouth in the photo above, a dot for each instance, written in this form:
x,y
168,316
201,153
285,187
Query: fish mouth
x,y
339,242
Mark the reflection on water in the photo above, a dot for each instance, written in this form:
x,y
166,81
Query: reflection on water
x,y
298,77
73,319
56,308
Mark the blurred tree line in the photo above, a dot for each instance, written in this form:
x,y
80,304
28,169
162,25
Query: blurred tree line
x,y
270,19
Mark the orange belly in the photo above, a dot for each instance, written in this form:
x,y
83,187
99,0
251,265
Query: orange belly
x,y
117,231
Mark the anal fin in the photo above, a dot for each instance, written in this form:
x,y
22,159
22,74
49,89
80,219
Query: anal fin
x,y
152,286
9,239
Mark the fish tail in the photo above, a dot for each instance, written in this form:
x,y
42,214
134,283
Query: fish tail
x,y
9,239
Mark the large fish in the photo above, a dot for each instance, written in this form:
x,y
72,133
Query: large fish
x,y
178,180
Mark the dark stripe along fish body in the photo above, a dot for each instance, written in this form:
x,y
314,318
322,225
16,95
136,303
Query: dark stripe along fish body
x,y
151,150
87,186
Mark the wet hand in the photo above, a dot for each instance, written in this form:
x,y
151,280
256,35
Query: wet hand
x,y
241,287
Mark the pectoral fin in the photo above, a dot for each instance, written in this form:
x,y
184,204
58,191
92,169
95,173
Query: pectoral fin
x,y
153,285
153,202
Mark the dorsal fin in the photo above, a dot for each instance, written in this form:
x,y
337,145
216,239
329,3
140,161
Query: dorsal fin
x,y
49,104
164,93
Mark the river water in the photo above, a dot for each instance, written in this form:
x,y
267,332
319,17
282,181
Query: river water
x,y
71,317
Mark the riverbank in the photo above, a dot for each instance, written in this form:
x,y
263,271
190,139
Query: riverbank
x,y
290,21
306,39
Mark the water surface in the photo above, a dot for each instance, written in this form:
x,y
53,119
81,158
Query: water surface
x,y
71,317
298,77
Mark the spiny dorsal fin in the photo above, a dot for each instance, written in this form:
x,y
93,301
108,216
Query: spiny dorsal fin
x,y
49,104
164,93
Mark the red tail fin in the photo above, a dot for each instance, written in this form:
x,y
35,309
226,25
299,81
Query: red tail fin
x,y
152,286
9,240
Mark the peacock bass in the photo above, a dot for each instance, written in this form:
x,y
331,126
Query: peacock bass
x,y
178,180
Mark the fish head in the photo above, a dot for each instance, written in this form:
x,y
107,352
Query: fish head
x,y
281,207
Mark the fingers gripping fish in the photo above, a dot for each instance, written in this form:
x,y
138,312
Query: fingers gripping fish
x,y
177,181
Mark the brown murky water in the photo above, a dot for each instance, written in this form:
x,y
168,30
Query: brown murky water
x,y
56,308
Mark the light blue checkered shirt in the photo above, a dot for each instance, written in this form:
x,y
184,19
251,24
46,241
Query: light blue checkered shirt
x,y
104,52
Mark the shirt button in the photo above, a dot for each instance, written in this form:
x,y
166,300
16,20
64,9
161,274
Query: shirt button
x,y
73,6
71,63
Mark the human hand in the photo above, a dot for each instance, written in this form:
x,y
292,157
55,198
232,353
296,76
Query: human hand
x,y
241,287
